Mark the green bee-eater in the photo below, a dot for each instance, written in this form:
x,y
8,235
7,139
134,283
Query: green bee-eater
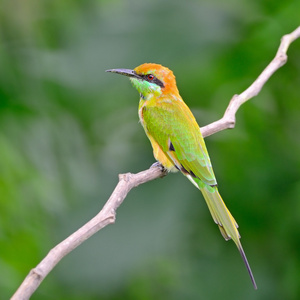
x,y
177,141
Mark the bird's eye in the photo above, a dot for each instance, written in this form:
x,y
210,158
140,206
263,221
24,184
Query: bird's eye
x,y
150,77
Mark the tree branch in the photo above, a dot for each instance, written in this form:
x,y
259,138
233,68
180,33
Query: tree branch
x,y
128,181
105,217
228,120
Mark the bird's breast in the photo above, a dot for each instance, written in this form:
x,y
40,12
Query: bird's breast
x,y
142,108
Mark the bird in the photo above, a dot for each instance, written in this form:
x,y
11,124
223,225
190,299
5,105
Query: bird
x,y
177,142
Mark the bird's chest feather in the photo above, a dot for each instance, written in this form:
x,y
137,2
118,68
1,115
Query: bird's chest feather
x,y
144,104
142,108
153,112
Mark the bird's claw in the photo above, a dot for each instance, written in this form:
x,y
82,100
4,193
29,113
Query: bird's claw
x,y
157,164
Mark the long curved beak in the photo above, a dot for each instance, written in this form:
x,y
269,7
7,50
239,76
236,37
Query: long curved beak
x,y
126,72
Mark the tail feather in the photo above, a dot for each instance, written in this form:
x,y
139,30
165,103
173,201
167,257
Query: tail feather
x,y
220,213
247,265
225,221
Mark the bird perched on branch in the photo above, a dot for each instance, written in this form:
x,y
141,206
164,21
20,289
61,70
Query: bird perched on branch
x,y
177,141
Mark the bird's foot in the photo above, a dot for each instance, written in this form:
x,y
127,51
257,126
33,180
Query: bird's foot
x,y
157,164
160,166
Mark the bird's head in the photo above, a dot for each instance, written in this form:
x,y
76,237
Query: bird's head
x,y
150,79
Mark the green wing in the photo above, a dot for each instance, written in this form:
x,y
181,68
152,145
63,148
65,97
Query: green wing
x,y
175,129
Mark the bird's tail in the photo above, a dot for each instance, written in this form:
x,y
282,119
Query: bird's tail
x,y
225,221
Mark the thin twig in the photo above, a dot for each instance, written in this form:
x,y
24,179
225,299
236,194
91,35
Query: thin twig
x,y
228,120
128,181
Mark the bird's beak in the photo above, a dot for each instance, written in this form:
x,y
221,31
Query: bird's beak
x,y
126,72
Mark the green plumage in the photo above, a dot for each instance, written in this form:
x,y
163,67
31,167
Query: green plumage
x,y
171,121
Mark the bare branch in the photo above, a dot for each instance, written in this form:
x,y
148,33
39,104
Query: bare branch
x,y
128,181
105,217
228,120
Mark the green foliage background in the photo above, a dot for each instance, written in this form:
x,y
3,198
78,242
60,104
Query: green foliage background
x,y
67,129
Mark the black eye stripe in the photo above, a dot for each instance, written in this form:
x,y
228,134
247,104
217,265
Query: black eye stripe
x,y
154,80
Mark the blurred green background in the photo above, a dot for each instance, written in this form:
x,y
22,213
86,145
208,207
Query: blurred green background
x,y
67,129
